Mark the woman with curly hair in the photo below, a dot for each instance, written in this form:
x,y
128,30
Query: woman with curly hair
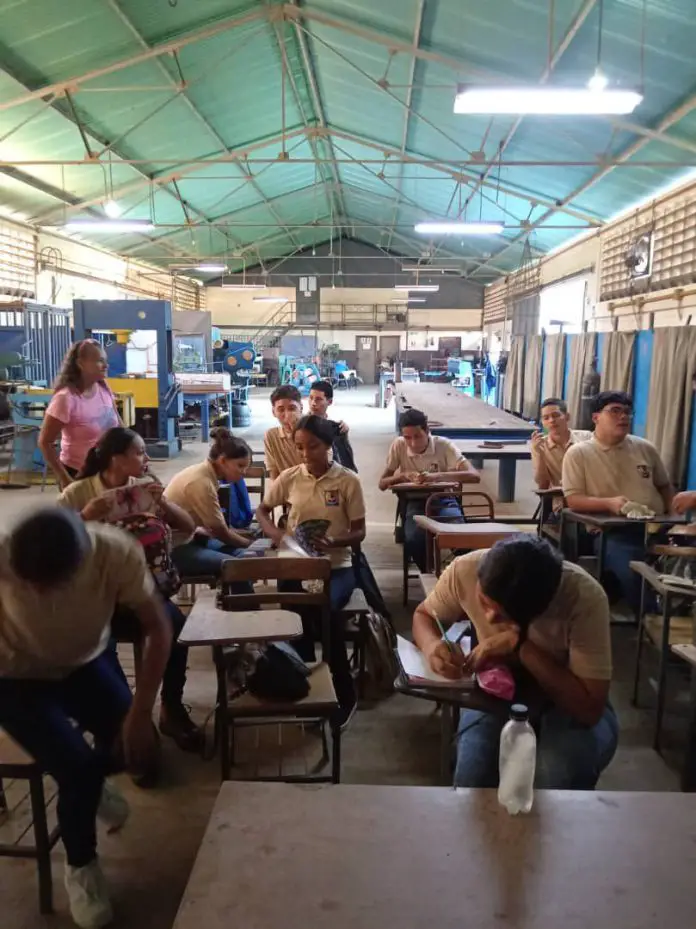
x,y
80,412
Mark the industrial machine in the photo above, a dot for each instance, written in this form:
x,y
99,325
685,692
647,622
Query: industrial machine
x,y
463,375
137,338
298,372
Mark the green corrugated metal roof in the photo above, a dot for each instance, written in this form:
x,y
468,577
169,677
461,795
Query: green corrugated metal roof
x,y
177,117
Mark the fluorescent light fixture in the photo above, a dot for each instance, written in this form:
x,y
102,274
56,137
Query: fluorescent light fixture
x,y
211,268
598,81
243,286
546,101
418,288
270,299
417,300
109,225
455,228
112,209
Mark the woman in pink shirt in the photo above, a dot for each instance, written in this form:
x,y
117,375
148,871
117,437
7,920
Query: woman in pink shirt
x,y
81,411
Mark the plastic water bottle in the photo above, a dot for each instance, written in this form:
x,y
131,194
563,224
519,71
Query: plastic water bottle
x,y
517,762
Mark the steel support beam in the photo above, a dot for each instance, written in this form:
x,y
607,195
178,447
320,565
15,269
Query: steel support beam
x,y
409,103
317,102
669,119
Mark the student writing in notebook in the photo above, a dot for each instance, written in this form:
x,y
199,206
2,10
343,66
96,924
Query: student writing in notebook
x,y
547,620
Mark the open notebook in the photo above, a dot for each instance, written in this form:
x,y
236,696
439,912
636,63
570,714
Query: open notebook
x,y
418,672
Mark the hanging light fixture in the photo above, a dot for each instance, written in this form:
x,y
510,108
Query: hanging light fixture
x,y
458,228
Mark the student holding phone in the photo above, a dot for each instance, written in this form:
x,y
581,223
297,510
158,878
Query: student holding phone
x,y
118,462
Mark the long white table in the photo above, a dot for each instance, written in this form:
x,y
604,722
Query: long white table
x,y
358,857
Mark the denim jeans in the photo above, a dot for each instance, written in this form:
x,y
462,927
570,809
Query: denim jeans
x,y
414,535
341,587
195,560
570,756
125,626
39,715
618,552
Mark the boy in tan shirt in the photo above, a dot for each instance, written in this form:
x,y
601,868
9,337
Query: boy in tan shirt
x,y
546,619
549,448
421,458
610,470
279,446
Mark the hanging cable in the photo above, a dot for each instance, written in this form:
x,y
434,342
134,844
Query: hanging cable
x,y
643,23
600,29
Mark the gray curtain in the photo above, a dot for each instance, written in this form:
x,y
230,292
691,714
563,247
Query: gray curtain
x,y
617,363
514,376
582,351
553,366
532,377
671,397
525,315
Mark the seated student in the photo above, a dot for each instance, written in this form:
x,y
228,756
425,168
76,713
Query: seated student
x,y
548,621
60,582
119,459
417,456
195,490
610,470
548,450
279,446
318,489
320,399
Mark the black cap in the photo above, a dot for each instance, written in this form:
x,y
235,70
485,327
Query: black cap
x,y
519,712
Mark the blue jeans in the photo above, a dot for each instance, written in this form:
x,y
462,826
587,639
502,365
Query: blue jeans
x,y
570,756
193,559
341,587
619,551
414,535
39,715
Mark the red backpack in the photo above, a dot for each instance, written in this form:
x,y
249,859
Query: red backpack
x,y
156,539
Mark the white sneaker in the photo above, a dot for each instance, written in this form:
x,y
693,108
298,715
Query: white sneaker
x,y
113,808
90,907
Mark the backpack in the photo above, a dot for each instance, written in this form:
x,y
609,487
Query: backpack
x,y
156,539
380,658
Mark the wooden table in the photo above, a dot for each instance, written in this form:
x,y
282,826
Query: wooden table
x,y
353,857
457,416
208,625
468,536
507,456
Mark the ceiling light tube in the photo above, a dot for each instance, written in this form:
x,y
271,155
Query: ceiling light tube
x,y
546,101
417,300
112,209
271,299
243,286
457,228
210,268
418,288
108,225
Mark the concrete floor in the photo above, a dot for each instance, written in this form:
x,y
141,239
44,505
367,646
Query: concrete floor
x,y
394,741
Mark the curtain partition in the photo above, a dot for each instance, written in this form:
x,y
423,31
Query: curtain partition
x,y
582,353
532,377
514,376
617,363
671,397
553,366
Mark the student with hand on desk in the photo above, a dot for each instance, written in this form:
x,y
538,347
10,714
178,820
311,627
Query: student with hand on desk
x,y
195,490
547,620
417,457
610,470
548,450
318,489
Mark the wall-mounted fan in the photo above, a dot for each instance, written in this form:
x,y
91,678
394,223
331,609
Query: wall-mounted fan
x,y
638,258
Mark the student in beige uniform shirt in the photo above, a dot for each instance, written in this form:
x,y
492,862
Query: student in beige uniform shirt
x,y
421,458
319,489
60,582
280,451
545,619
195,490
612,469
549,449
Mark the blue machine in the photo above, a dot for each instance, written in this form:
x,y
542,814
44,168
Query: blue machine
x,y
298,372
463,372
165,404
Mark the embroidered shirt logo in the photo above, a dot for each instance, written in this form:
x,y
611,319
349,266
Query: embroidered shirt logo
x,y
332,498
643,470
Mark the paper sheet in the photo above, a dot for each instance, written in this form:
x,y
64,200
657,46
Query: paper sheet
x,y
417,670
